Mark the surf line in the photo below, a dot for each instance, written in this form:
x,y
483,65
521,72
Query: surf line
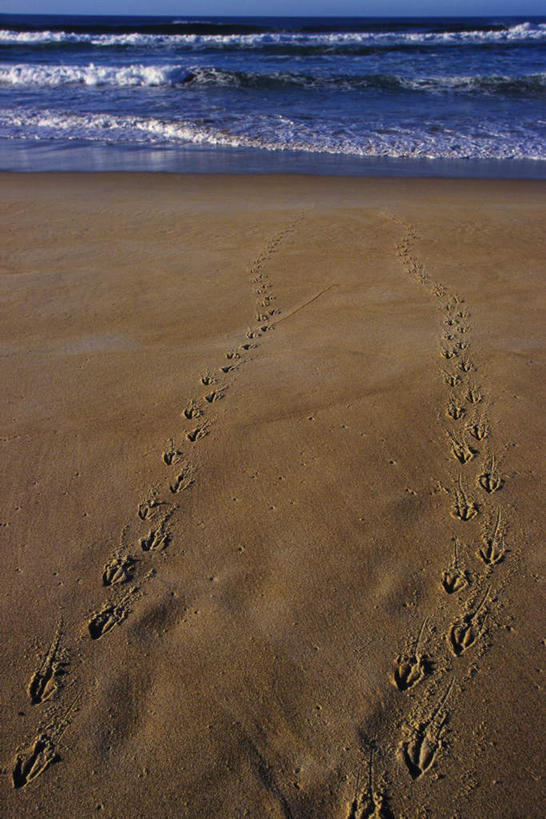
x,y
306,303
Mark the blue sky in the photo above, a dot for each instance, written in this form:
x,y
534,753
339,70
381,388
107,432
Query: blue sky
x,y
280,7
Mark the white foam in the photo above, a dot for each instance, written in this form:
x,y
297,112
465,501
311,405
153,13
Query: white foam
x,y
522,32
90,75
503,140
482,83
149,76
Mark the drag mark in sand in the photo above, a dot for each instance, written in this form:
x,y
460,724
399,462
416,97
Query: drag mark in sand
x,y
307,303
45,680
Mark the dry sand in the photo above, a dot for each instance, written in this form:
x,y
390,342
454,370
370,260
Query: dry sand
x,y
319,594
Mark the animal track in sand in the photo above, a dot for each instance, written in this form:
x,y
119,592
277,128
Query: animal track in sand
x,y
109,616
183,480
171,454
198,433
464,632
118,570
493,549
466,365
421,748
479,428
411,667
267,300
263,316
207,379
149,507
454,578
419,753
44,683
229,368
193,410
370,803
454,409
462,508
461,451
215,395
453,380
449,352
159,538
474,396
490,480
33,761
233,355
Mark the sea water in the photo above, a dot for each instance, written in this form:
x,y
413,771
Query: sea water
x,y
447,96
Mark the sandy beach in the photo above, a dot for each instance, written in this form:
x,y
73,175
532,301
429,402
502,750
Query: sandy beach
x,y
271,513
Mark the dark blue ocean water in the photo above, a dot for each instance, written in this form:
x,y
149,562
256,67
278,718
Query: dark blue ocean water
x,y
330,90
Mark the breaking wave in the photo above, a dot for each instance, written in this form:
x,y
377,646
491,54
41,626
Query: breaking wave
x,y
149,76
276,133
526,32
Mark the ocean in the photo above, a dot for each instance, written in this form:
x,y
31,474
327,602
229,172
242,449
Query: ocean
x,y
440,96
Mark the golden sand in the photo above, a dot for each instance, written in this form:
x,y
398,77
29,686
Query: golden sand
x,y
271,521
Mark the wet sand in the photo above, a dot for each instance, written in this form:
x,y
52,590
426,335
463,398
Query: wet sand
x,y
271,515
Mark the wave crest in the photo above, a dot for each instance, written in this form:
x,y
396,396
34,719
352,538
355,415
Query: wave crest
x,y
520,33
150,76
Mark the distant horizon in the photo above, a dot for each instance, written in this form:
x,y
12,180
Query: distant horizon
x,y
284,16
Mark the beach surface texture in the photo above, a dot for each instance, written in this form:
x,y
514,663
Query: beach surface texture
x,y
272,535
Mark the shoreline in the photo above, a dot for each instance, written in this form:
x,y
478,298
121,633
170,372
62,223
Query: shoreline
x,y
271,496
20,156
